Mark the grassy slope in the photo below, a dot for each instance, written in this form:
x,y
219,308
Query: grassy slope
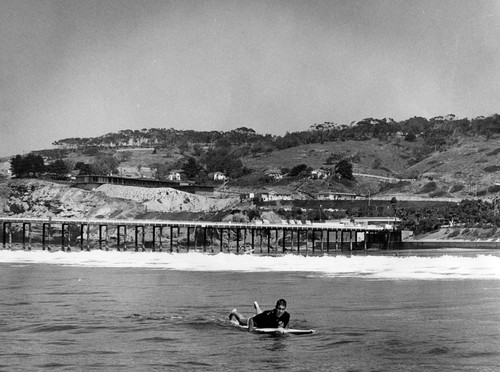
x,y
391,155
463,164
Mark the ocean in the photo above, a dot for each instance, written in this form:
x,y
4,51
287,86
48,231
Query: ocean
x,y
156,311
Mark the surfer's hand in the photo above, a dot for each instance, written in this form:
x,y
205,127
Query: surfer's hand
x,y
280,330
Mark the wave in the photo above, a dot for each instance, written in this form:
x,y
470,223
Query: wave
x,y
481,266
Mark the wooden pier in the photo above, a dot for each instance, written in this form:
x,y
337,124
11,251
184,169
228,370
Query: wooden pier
x,y
184,236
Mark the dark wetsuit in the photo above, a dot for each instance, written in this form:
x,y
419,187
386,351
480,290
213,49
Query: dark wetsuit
x,y
268,319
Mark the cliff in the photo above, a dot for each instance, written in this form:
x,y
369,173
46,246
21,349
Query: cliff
x,y
36,198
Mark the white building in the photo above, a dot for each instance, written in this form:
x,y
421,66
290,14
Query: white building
x,y
273,195
319,174
219,176
174,176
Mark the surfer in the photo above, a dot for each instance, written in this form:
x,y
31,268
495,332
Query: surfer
x,y
276,318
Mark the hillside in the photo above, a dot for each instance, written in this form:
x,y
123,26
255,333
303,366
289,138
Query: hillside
x,y
469,169
391,154
36,198
441,157
473,162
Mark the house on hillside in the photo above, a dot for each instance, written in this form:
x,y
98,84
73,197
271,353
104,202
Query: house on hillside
x,y
319,174
130,172
219,176
174,176
247,196
335,196
147,172
274,174
273,195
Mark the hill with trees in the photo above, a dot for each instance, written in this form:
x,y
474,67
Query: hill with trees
x,y
426,159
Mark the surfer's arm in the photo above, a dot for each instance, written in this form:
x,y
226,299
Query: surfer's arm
x,y
250,325
283,322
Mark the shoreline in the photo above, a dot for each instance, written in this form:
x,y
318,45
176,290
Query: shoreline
x,y
434,250
447,243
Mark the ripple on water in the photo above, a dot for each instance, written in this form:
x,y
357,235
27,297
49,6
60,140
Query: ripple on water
x,y
54,328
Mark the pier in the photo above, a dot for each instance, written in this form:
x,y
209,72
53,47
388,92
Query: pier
x,y
184,236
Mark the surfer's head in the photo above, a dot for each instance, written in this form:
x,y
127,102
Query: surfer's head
x,y
280,307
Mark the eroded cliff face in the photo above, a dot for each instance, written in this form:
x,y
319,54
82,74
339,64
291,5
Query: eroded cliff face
x,y
36,198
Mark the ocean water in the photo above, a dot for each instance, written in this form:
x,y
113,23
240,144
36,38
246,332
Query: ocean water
x,y
152,311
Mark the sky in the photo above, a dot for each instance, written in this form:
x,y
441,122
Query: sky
x,y
84,68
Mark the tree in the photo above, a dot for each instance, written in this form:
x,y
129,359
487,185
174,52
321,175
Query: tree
x,y
16,166
105,165
344,169
222,160
34,164
58,168
298,170
191,168
333,158
70,164
162,170
29,165
84,168
410,137
183,147
197,150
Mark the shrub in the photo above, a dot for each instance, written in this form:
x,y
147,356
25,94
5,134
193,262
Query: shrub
x,y
428,188
410,137
298,170
454,233
437,194
91,151
494,152
494,189
481,192
492,168
334,158
456,188
487,234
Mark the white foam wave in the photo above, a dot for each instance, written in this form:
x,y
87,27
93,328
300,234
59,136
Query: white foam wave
x,y
373,267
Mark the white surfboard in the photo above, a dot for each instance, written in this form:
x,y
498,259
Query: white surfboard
x,y
276,331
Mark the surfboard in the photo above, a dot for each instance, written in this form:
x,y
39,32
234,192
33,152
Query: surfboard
x,y
283,331
276,331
